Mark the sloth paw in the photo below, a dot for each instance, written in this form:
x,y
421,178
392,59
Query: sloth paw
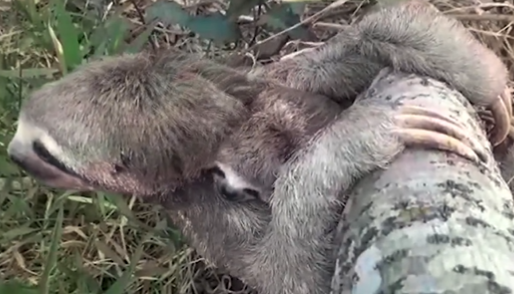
x,y
426,128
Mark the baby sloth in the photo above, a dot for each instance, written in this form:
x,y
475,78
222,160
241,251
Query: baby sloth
x,y
412,37
284,121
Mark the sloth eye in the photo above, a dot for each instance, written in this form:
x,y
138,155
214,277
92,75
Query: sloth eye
x,y
216,171
254,193
43,153
46,156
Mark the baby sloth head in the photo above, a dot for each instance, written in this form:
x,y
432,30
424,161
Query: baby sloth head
x,y
234,187
248,163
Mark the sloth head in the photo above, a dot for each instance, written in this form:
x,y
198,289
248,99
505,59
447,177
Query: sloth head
x,y
234,187
136,124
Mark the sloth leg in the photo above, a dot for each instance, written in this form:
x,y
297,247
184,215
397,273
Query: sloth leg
x,y
423,127
502,113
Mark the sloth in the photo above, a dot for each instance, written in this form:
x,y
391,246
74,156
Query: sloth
x,y
154,124
150,125
413,37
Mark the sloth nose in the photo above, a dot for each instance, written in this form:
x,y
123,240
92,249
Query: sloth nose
x,y
16,151
24,158
229,193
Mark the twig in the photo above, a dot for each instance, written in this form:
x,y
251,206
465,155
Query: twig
x,y
142,18
307,20
328,25
483,17
257,28
294,54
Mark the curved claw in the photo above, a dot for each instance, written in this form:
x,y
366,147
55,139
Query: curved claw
x,y
438,141
501,111
507,100
511,131
424,127
496,131
507,143
418,110
506,97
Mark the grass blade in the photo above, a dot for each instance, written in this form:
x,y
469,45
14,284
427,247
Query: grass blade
x,y
138,43
68,36
59,52
121,284
29,73
52,254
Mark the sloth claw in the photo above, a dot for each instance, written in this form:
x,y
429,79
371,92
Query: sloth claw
x,y
424,127
498,119
501,111
424,112
506,97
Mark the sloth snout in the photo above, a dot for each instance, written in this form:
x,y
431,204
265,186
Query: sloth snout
x,y
36,161
16,151
229,193
26,159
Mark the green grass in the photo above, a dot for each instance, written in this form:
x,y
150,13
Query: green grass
x,y
60,242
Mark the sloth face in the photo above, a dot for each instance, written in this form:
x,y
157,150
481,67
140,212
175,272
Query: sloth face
x,y
41,156
232,186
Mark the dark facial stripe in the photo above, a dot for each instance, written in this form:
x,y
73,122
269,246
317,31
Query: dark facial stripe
x,y
44,155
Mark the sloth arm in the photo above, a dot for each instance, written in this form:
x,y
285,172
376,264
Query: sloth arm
x,y
367,136
411,37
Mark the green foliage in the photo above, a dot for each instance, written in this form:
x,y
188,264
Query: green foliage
x,y
216,27
68,34
223,28
240,7
281,17
168,12
17,287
